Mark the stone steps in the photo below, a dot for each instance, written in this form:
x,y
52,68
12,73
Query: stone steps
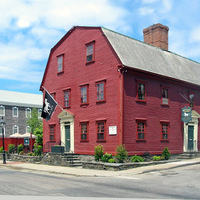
x,y
189,155
71,160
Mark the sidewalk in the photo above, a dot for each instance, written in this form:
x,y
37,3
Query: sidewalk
x,y
74,171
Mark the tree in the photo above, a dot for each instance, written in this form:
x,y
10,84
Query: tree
x,y
36,125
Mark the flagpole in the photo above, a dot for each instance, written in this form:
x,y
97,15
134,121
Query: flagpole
x,y
53,98
184,97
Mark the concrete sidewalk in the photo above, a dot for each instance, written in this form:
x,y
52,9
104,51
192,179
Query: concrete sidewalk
x,y
74,171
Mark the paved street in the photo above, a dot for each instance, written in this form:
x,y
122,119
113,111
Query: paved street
x,y
175,183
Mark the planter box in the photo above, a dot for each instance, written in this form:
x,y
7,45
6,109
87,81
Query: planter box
x,y
57,149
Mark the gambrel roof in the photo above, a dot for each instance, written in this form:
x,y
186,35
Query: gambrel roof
x,y
142,56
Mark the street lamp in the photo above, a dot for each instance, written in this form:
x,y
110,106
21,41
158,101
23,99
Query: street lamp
x,y
2,124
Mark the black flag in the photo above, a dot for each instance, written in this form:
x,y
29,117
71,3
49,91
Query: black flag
x,y
48,106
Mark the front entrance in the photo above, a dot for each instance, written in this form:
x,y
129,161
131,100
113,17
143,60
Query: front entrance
x,y
67,138
67,130
191,133
190,138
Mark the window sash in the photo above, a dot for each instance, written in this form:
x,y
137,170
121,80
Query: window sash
x,y
15,129
60,63
141,128
84,98
165,131
28,113
15,111
90,52
100,91
84,131
101,131
141,91
67,98
2,111
52,131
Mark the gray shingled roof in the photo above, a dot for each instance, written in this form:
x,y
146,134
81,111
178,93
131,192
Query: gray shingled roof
x,y
20,99
139,55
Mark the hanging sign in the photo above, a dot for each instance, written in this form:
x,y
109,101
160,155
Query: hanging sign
x,y
186,114
26,141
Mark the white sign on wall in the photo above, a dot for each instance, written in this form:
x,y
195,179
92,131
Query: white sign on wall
x,y
112,130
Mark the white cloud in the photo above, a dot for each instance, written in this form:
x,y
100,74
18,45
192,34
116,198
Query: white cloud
x,y
146,11
32,27
195,34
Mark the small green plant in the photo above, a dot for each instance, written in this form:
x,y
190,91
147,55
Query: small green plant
x,y
166,154
106,157
1,149
137,159
156,158
37,149
112,160
121,154
98,152
21,153
11,148
20,148
30,154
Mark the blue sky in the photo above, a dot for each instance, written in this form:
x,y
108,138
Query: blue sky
x,y
30,28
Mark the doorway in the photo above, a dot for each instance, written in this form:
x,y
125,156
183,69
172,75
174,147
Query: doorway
x,y
190,138
67,138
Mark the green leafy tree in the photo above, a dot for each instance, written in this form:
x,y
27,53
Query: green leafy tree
x,y
36,126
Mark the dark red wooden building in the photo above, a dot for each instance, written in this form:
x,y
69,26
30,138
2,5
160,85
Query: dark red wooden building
x,y
117,90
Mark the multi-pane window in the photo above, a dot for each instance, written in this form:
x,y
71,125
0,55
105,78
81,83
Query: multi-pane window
x,y
165,98
90,52
101,91
165,131
39,113
15,129
141,129
67,94
84,94
101,130
28,113
28,129
2,111
60,63
52,132
141,91
15,112
84,131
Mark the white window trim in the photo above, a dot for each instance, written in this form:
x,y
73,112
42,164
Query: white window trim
x,y
27,112
4,132
39,113
15,126
13,112
28,127
3,110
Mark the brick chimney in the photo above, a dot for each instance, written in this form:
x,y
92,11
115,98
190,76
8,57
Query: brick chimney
x,y
157,35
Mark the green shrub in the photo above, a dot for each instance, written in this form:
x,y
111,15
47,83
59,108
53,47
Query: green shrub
x,y
37,149
112,160
121,154
106,157
20,148
165,154
156,158
30,154
1,149
98,152
137,159
11,148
